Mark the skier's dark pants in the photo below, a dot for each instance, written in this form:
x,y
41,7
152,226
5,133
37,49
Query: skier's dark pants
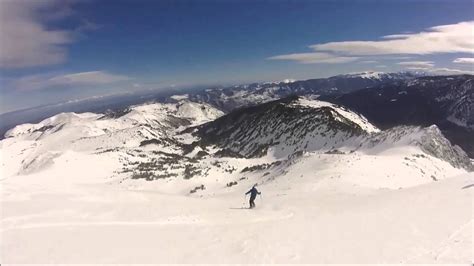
x,y
252,202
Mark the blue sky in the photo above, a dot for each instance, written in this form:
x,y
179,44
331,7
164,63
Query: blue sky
x,y
56,50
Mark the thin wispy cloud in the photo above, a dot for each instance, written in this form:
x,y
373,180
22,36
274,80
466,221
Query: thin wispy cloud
x,y
464,60
315,58
396,36
396,57
453,38
429,67
417,68
48,81
450,71
417,64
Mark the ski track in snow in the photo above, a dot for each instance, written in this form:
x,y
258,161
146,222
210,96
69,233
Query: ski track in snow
x,y
168,221
447,245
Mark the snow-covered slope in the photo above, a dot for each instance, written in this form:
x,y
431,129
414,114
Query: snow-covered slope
x,y
429,140
313,214
119,187
94,133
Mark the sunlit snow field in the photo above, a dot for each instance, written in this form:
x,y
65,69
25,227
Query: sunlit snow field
x,y
75,213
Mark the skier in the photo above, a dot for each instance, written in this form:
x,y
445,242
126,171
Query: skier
x,y
253,194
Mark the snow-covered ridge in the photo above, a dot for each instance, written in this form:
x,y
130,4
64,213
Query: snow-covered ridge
x,y
153,141
288,80
285,126
366,75
383,76
180,97
356,118
154,114
91,133
430,140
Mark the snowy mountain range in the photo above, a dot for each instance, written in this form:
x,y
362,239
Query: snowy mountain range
x,y
178,169
163,140
447,101
229,98
188,140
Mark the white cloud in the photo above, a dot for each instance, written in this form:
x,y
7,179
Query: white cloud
x,y
26,41
417,64
417,68
368,62
396,36
428,66
397,57
464,60
314,58
453,38
92,77
450,71
46,81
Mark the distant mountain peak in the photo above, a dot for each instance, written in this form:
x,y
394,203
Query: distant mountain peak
x,y
377,75
284,126
288,81
366,74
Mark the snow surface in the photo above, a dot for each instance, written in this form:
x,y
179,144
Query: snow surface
x,y
313,214
66,199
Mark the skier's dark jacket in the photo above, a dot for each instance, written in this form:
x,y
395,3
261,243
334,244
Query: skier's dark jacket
x,y
253,193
